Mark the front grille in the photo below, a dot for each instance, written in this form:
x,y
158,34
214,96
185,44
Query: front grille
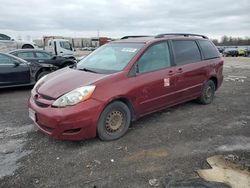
x,y
40,104
42,101
46,97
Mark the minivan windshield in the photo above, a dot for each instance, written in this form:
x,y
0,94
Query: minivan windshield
x,y
110,58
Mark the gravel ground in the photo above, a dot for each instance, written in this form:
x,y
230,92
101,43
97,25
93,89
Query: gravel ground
x,y
173,143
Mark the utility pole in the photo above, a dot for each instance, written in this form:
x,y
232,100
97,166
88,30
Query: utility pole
x,y
98,34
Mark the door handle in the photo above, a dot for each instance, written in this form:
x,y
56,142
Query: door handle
x,y
179,70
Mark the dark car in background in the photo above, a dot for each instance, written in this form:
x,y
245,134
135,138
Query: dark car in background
x,y
15,71
221,49
42,57
231,52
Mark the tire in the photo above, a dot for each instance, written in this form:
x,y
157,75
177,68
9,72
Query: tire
x,y
208,92
41,74
27,46
114,121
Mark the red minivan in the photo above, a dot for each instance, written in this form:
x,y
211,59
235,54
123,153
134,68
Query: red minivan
x,y
123,81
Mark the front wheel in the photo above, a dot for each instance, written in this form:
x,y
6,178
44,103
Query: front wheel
x,y
207,94
114,121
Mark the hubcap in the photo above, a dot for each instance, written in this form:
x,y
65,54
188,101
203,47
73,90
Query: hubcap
x,y
209,92
114,121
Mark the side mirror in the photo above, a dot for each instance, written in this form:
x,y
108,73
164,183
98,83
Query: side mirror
x,y
16,63
12,39
54,57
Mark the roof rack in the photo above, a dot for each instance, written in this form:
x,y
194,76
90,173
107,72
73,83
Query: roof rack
x,y
135,36
180,34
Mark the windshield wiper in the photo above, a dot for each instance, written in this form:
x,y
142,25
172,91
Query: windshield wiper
x,y
88,70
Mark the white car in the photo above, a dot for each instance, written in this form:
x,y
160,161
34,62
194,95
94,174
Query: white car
x,y
8,44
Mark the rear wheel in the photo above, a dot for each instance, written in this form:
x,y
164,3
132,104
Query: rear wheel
x,y
27,46
114,121
41,74
207,94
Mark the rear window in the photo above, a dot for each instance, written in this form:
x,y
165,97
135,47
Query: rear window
x,y
186,51
208,49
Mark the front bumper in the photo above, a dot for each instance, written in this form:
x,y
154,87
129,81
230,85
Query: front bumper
x,y
70,123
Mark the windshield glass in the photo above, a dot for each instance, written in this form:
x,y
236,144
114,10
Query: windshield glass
x,y
110,58
66,45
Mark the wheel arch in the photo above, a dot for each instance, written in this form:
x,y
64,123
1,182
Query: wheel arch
x,y
42,69
215,80
26,45
126,101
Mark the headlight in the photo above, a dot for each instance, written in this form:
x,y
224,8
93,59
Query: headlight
x,y
75,96
40,81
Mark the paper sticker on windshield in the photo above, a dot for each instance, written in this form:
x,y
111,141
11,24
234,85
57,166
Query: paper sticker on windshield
x,y
131,50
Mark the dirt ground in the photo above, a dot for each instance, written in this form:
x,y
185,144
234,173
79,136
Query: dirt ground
x,y
173,143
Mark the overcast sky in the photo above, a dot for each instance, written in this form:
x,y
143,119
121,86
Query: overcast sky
x,y
115,18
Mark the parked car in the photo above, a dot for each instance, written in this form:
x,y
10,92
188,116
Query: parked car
x,y
15,71
247,51
231,52
242,52
7,44
42,57
123,81
221,49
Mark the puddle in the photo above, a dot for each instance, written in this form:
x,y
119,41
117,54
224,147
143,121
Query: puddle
x,y
12,140
146,155
226,171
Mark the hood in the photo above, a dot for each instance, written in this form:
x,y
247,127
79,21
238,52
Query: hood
x,y
65,80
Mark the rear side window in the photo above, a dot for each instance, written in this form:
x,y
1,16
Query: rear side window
x,y
155,58
26,55
208,49
4,37
42,55
186,51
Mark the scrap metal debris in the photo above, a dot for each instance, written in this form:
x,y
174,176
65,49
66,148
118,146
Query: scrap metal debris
x,y
154,182
193,183
227,171
97,162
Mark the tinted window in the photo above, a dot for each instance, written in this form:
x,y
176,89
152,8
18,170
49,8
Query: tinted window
x,y
26,55
66,45
42,55
186,52
208,49
156,57
5,60
4,37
